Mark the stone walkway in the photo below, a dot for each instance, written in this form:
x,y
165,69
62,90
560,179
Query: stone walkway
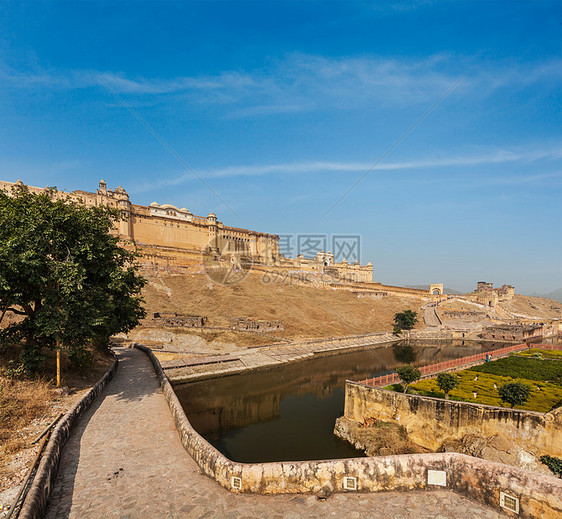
x,y
188,370
124,459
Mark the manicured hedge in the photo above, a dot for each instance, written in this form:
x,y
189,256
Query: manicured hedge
x,y
530,368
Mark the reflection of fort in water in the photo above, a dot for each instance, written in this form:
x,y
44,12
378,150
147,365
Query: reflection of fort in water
x,y
220,405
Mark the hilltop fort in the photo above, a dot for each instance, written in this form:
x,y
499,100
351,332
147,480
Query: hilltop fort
x,y
171,237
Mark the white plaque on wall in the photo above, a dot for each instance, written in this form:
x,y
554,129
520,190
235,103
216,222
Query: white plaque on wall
x,y
437,477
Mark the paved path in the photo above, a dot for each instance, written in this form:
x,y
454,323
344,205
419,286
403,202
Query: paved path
x,y
124,459
430,316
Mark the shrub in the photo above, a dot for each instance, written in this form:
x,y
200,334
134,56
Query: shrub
x,y
553,463
405,320
524,367
447,382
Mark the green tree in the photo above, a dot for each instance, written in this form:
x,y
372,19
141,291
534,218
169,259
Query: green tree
x,y
64,273
408,374
447,382
405,320
514,393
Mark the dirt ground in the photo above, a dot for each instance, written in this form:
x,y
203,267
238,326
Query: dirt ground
x,y
308,312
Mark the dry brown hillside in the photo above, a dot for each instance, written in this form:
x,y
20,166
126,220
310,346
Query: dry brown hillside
x,y
307,311
534,308
521,307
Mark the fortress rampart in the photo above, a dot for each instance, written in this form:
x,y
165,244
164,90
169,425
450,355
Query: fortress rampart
x,y
171,237
171,234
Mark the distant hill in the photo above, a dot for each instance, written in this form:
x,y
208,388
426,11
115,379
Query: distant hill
x,y
449,291
556,295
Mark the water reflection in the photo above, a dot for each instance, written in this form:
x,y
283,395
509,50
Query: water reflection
x,y
288,412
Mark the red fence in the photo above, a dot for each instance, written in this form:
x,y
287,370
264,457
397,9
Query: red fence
x,y
391,378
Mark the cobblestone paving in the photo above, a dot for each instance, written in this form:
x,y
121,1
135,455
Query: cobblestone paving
x,y
124,459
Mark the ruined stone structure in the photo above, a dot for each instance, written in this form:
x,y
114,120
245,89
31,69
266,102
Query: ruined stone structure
x,y
490,296
258,325
173,319
512,332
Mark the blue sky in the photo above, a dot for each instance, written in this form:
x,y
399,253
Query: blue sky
x,y
282,106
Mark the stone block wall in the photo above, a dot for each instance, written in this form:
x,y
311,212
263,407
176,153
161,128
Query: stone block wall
x,y
430,422
188,321
427,335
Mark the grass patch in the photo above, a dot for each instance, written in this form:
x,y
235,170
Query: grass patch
x,y
21,401
541,354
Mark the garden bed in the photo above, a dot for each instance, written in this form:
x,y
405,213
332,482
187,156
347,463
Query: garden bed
x,y
541,370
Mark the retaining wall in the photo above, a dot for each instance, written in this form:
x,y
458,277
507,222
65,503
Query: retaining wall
x,y
35,503
539,496
431,421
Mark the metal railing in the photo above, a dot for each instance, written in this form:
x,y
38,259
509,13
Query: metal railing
x,y
392,378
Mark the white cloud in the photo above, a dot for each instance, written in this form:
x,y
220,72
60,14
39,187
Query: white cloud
x,y
483,157
305,83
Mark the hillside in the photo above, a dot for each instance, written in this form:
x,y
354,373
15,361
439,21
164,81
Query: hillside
x,y
535,308
307,311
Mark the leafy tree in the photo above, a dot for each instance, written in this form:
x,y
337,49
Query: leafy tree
x,y
405,320
447,382
514,393
63,271
408,374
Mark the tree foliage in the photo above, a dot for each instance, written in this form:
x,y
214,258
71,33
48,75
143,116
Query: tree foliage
x,y
447,382
64,273
515,393
405,320
408,374
553,463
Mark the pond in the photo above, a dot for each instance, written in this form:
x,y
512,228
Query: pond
x,y
287,413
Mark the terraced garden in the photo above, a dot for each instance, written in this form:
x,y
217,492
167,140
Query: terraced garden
x,y
540,370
